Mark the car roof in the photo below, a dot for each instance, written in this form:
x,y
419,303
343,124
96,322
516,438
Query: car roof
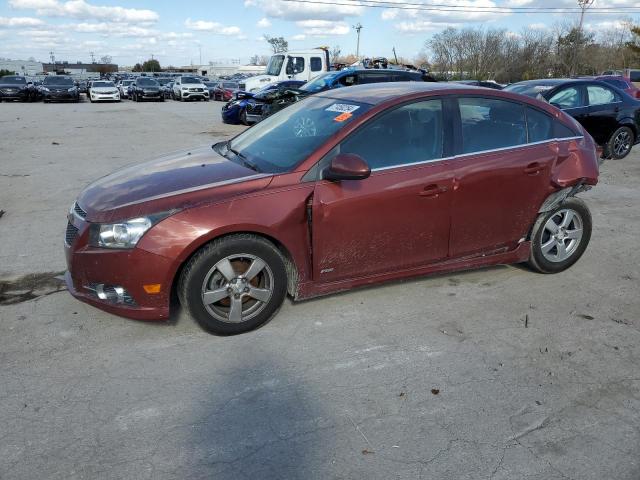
x,y
376,93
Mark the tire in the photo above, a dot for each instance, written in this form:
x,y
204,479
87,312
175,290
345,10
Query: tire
x,y
620,143
553,253
243,117
235,253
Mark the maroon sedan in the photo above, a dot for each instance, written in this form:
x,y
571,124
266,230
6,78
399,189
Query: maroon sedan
x,y
346,188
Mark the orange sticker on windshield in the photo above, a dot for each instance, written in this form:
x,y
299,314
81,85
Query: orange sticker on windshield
x,y
343,116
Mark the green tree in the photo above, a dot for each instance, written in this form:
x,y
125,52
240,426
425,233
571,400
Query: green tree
x,y
4,72
137,68
152,65
634,44
278,44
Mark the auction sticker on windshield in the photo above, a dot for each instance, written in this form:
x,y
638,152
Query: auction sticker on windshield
x,y
342,108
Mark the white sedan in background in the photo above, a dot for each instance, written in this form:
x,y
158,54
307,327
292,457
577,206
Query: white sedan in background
x,y
123,86
103,91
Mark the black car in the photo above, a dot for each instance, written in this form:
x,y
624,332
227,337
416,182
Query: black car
x,y
146,88
480,83
610,115
14,87
56,88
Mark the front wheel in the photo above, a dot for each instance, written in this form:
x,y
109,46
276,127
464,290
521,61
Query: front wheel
x,y
620,143
234,284
560,237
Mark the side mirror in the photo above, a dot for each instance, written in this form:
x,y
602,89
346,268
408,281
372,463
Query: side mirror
x,y
347,166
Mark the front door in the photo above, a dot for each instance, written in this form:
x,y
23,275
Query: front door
x,y
397,218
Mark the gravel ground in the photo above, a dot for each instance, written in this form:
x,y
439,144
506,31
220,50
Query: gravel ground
x,y
499,373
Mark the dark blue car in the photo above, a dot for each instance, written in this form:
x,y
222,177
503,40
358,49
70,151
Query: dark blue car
x,y
235,111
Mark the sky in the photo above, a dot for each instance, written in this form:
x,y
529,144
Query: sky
x,y
188,31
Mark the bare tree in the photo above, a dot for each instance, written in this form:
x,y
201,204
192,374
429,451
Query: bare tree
x,y
278,44
106,59
334,54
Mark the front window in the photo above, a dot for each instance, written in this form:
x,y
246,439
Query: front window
x,y
275,65
295,65
58,81
409,134
14,80
283,140
566,98
229,86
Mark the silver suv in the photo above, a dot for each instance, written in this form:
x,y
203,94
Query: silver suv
x,y
188,88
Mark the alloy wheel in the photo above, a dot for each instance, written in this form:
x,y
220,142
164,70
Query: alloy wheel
x,y
237,288
622,143
562,235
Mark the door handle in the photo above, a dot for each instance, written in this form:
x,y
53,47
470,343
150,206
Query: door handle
x,y
533,168
432,190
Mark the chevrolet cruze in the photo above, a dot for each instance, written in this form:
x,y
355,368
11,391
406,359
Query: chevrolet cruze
x,y
347,188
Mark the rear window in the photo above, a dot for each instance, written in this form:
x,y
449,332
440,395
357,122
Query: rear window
x,y
489,124
616,83
374,77
600,95
316,64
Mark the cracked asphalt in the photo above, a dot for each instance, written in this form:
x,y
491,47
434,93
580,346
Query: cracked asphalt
x,y
498,373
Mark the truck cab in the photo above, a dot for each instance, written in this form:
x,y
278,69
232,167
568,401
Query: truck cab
x,y
302,65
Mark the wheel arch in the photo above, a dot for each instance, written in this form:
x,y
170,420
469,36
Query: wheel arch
x,y
289,261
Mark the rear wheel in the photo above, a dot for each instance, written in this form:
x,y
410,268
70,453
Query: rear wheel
x,y
620,143
243,116
234,284
560,237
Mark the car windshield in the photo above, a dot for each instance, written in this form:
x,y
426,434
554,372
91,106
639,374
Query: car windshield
x,y
230,85
58,81
147,82
163,81
275,65
102,84
529,89
283,140
190,80
321,82
13,80
210,84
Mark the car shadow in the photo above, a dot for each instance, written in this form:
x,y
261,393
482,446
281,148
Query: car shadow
x,y
255,420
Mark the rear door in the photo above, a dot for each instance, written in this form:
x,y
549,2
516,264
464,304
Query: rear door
x,y
602,115
397,218
501,175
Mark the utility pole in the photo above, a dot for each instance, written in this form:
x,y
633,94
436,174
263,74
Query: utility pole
x,y
584,5
52,57
93,57
357,27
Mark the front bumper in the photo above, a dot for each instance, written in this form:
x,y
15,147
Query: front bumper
x,y
187,94
128,270
14,95
61,96
105,97
230,115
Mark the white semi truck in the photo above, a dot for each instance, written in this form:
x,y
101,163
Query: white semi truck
x,y
295,65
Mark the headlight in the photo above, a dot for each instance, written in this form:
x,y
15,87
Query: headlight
x,y
72,89
235,102
44,89
185,88
119,235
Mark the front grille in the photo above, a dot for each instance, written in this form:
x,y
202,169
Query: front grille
x,y
196,90
242,86
71,234
254,108
79,211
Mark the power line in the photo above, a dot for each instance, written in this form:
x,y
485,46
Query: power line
x,y
390,4
465,9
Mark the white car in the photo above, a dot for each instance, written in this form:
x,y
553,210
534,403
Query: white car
x,y
103,91
188,88
123,87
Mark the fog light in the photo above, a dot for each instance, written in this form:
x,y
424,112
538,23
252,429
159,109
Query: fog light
x,y
111,293
152,288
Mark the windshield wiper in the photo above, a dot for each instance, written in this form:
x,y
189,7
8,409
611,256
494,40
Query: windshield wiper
x,y
245,161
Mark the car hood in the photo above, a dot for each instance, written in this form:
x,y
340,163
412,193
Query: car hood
x,y
171,182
